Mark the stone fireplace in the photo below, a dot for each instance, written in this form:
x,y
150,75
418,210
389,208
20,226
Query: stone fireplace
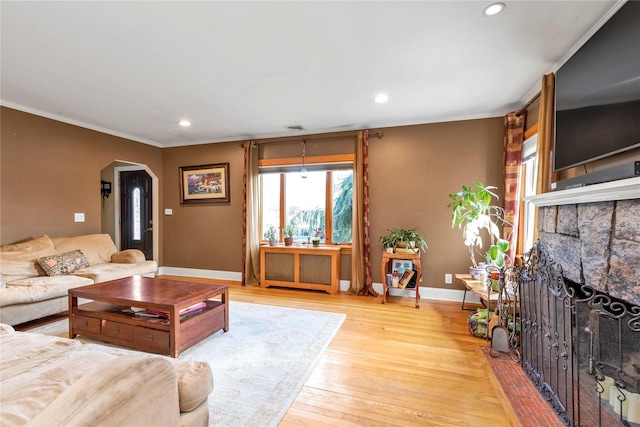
x,y
580,304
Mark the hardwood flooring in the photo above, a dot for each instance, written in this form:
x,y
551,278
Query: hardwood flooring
x,y
391,364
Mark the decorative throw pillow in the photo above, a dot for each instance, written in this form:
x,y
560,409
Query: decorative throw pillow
x,y
65,263
128,256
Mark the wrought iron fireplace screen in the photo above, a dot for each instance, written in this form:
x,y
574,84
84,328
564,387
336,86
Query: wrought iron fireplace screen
x,y
580,347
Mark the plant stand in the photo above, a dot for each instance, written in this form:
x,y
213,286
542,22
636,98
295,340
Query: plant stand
x,y
384,269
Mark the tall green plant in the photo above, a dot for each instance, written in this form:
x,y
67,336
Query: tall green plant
x,y
472,211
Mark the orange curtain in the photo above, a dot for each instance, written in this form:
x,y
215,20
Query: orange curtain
x,y
361,282
513,138
250,217
544,147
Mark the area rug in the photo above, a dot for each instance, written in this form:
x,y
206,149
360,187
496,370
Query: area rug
x,y
261,364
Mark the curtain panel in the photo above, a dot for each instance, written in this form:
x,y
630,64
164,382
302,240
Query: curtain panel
x,y
545,140
250,217
545,134
513,139
361,281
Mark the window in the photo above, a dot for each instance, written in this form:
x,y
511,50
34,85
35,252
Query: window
x,y
322,200
342,197
270,200
530,167
305,203
137,226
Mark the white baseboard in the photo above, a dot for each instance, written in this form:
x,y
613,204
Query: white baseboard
x,y
204,274
426,292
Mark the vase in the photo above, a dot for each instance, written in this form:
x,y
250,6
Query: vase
x,y
288,241
315,242
476,272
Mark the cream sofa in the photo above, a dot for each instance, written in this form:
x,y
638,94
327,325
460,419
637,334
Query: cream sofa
x,y
47,380
28,293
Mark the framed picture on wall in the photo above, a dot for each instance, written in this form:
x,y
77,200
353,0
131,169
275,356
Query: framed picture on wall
x,y
205,183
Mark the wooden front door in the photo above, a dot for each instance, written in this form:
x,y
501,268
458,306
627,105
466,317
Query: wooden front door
x,y
136,212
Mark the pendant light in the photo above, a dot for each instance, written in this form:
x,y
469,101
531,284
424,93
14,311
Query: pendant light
x,y
303,171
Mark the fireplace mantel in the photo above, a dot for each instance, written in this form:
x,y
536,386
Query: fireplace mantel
x,y
623,189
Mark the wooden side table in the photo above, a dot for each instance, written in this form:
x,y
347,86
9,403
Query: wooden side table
x,y
385,269
488,298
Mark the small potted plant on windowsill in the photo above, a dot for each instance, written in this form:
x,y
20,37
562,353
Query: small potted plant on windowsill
x,y
318,235
271,235
288,230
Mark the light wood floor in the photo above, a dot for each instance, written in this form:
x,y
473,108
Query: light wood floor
x,y
390,365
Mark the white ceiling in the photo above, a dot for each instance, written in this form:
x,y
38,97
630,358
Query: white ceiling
x,y
240,70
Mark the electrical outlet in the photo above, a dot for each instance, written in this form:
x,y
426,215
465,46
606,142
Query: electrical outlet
x,y
78,217
448,279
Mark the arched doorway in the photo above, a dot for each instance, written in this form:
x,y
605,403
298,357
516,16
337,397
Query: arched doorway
x,y
144,222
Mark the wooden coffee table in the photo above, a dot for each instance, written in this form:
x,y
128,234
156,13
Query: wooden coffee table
x,y
105,319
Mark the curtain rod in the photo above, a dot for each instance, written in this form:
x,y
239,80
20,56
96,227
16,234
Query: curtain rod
x,y
530,102
377,134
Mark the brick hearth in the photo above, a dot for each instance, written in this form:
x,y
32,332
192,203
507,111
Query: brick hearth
x,y
527,405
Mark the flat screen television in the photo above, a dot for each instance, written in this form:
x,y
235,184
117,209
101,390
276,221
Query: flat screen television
x,y
598,94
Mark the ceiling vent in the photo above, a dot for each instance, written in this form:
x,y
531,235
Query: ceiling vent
x,y
296,128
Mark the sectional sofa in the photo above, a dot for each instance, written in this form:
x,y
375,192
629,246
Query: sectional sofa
x,y
36,275
52,381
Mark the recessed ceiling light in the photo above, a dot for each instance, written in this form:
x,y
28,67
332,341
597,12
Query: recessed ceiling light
x,y
381,98
185,123
493,9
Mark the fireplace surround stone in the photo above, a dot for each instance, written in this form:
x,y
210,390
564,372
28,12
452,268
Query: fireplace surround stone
x,y
597,244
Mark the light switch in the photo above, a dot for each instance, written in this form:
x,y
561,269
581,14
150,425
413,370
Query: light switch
x,y
78,216
168,211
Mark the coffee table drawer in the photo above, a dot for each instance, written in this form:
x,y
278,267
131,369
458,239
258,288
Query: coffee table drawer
x,y
88,324
151,337
117,330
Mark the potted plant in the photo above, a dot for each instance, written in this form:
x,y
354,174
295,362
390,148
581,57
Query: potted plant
x,y
414,240
288,230
271,235
472,211
408,240
318,235
389,239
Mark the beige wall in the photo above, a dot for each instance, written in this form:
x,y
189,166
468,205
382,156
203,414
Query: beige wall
x,y
412,171
50,170
108,223
205,236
